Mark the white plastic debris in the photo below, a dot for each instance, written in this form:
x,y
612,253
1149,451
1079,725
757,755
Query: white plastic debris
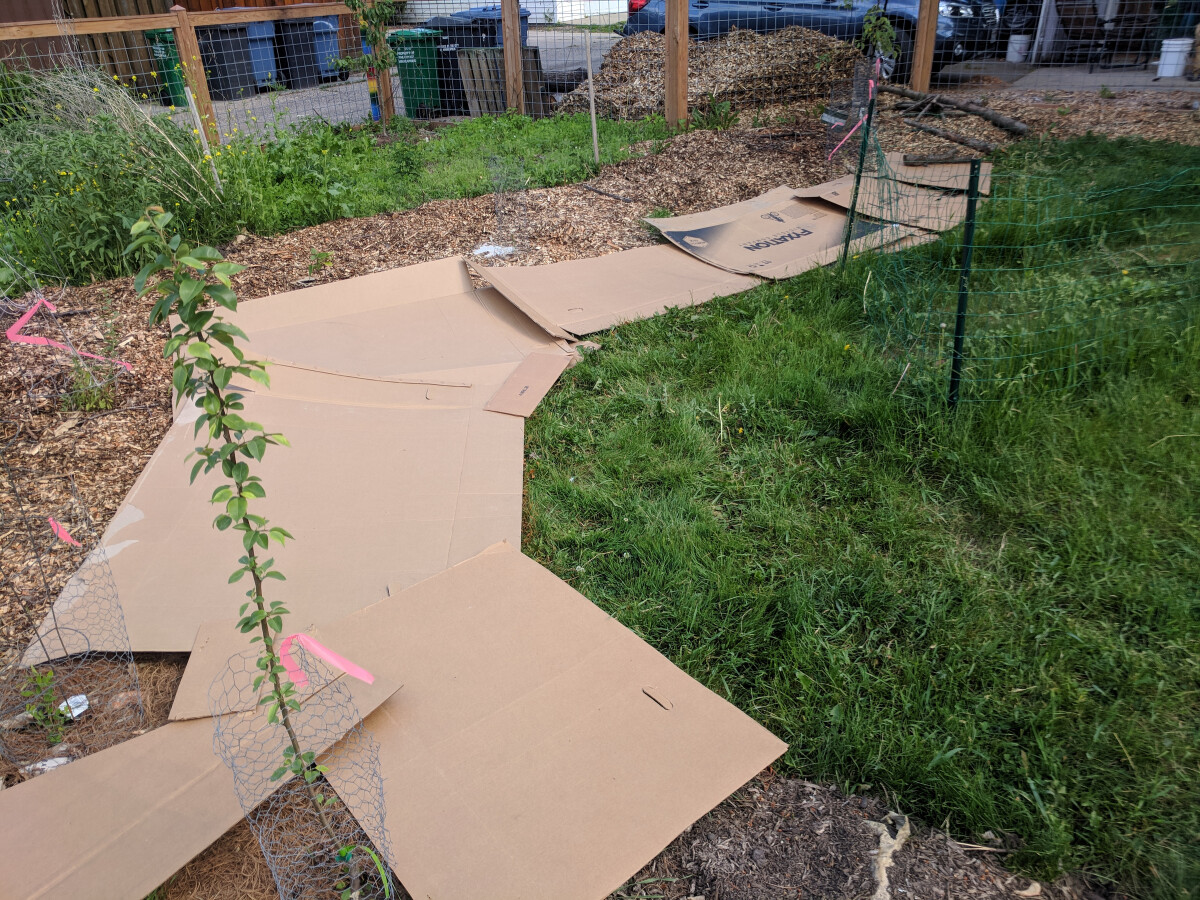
x,y
492,251
76,705
45,765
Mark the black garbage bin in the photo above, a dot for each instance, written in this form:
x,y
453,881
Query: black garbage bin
x,y
228,65
455,33
296,53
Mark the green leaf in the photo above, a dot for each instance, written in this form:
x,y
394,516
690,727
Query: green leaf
x,y
223,522
222,294
200,350
190,289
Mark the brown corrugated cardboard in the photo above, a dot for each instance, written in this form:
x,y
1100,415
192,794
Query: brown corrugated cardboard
x,y
585,295
776,239
947,176
379,384
120,822
372,493
538,748
535,748
528,384
893,201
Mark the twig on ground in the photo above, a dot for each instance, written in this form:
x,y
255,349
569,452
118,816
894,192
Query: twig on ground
x,y
998,119
974,143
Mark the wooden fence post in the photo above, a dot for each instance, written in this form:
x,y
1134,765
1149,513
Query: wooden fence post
x,y
383,82
514,76
677,62
922,64
193,72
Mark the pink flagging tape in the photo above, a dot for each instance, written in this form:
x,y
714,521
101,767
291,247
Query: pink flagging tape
x,y
61,533
315,647
14,335
863,118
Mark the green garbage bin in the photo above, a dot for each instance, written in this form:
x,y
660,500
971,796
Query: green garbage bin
x,y
166,63
416,63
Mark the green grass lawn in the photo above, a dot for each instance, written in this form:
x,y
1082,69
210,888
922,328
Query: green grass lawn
x,y
992,614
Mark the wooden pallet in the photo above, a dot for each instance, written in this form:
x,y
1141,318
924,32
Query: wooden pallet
x,y
482,71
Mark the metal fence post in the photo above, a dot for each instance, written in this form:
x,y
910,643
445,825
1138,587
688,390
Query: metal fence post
x,y
862,159
964,277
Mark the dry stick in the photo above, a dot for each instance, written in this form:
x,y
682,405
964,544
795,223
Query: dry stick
x,y
998,119
973,143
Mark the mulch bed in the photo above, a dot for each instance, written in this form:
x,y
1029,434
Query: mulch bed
x,y
776,838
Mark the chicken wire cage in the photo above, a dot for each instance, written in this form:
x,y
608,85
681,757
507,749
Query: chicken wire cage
x,y
68,686
47,356
321,838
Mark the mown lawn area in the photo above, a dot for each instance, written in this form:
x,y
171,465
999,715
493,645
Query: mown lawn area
x,y
991,615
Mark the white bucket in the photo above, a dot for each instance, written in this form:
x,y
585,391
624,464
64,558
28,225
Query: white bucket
x,y
1018,47
1173,59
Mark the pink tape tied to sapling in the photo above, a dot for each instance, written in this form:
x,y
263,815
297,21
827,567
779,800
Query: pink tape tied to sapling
x,y
13,333
316,648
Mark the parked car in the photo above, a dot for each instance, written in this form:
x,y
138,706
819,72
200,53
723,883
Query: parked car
x,y
965,28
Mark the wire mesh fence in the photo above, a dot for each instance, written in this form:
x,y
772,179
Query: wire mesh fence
x,y
1047,281
73,689
313,843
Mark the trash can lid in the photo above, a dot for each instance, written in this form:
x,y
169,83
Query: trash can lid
x,y
446,22
410,34
485,12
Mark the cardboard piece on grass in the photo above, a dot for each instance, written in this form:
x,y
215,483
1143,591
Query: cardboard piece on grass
x,y
372,493
538,748
119,823
778,239
947,176
585,295
892,201
528,384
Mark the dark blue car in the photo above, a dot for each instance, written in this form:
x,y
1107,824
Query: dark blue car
x,y
965,28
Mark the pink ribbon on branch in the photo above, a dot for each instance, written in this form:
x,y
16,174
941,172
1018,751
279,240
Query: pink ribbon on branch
x,y
14,334
316,648
61,533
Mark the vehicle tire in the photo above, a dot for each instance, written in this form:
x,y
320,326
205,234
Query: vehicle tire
x,y
898,66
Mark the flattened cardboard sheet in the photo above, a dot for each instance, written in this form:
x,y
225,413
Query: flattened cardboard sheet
x,y
779,239
582,296
538,748
946,176
118,823
373,493
893,201
401,324
528,384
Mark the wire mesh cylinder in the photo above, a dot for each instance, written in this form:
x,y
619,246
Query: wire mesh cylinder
x,y
70,686
315,840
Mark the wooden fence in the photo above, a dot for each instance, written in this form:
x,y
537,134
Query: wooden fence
x,y
118,40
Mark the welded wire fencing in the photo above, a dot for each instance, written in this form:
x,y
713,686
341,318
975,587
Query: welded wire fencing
x,y
1060,279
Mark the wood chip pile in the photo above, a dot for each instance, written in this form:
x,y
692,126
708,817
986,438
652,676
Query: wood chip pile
x,y
743,68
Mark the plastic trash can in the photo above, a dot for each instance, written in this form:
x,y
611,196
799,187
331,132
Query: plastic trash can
x,y
261,36
296,52
492,17
165,58
329,48
225,52
456,33
416,64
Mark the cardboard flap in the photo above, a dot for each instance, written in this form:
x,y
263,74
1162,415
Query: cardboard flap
x,y
891,201
539,749
776,240
947,176
528,384
581,296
